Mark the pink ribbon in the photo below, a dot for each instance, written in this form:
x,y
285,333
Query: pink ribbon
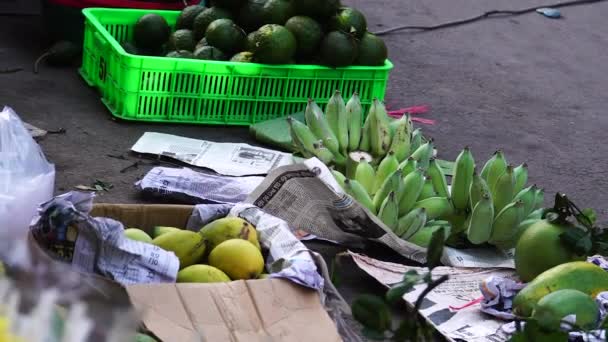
x,y
415,110
471,303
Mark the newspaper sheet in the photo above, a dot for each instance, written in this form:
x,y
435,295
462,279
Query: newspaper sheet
x,y
188,186
453,307
224,158
307,196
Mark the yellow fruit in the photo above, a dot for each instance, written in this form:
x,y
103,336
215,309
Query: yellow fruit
x,y
552,308
188,246
137,235
228,228
577,275
539,248
238,258
201,274
160,230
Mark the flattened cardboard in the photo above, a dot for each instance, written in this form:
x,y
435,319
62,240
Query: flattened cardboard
x,y
248,311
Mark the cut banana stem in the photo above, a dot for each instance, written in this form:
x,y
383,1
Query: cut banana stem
x,y
478,189
387,166
357,191
502,193
462,179
436,207
354,112
494,168
411,223
506,222
389,211
412,185
480,225
521,177
438,179
352,161
317,123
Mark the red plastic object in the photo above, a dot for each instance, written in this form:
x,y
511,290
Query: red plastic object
x,y
174,5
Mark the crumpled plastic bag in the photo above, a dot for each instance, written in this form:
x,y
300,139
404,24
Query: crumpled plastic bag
x,y
26,180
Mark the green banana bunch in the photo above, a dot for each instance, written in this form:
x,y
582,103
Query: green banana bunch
x,y
428,190
302,136
324,154
392,183
319,126
494,168
354,114
479,229
440,184
387,166
436,207
502,192
401,138
478,189
423,154
357,191
411,223
528,197
412,183
335,111
463,177
389,211
366,175
407,166
506,222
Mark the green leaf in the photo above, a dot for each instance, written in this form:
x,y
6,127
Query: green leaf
x,y
373,334
372,312
435,249
588,217
577,241
396,292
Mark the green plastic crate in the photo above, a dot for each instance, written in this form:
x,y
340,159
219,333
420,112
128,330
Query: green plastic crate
x,y
176,90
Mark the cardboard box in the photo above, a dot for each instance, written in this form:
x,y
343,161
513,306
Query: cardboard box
x,y
253,310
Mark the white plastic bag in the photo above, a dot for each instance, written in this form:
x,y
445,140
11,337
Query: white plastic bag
x,y
26,177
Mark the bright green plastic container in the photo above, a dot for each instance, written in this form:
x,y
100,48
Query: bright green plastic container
x,y
194,91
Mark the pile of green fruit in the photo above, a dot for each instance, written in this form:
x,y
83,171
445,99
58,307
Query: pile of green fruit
x,y
263,31
389,167
223,250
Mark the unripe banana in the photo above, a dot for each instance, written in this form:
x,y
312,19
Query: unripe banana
x,y
423,237
494,168
423,154
478,189
502,193
401,139
366,138
462,179
480,224
428,190
407,166
379,128
357,191
505,224
438,179
366,175
412,185
391,183
432,223
339,177
317,123
539,200
352,161
389,211
521,177
354,112
416,139
436,207
335,111
411,223
301,140
527,196
387,166
323,153
521,228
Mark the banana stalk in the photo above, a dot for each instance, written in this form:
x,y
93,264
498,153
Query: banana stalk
x,y
354,112
352,162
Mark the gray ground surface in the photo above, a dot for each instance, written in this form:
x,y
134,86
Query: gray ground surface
x,y
532,86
